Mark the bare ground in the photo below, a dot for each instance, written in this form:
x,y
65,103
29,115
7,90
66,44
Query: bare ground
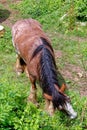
x,y
74,73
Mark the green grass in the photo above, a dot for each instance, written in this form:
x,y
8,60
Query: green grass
x,y
15,112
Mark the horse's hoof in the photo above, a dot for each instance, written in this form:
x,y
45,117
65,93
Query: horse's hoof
x,y
36,104
18,73
33,101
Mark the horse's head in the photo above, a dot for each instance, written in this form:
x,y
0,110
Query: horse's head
x,y
67,107
70,111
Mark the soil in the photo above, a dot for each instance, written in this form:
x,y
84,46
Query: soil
x,y
71,72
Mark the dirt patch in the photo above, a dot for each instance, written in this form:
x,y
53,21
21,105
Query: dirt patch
x,y
65,37
58,53
78,76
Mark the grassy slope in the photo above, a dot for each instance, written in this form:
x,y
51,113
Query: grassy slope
x,y
15,113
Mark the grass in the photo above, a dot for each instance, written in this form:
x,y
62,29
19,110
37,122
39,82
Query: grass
x,y
15,112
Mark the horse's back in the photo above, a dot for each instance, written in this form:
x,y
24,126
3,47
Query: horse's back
x,y
28,27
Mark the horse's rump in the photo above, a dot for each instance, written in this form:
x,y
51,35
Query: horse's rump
x,y
26,37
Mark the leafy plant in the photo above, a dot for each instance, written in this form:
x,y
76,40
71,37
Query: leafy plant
x,y
81,7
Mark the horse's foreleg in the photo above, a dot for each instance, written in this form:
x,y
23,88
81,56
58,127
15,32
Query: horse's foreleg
x,y
20,65
47,103
51,108
26,71
33,97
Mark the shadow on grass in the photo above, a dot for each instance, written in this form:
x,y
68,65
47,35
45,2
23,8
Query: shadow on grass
x,y
4,14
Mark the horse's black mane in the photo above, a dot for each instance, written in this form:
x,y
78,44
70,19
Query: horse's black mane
x,y
39,48
48,73
46,43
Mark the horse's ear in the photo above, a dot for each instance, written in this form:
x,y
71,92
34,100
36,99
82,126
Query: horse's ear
x,y
63,87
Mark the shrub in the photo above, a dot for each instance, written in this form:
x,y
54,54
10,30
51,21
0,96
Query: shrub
x,y
81,6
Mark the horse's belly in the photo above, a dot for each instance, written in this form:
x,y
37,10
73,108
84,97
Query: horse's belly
x,y
34,66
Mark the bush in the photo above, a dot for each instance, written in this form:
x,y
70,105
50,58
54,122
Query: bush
x,y
81,6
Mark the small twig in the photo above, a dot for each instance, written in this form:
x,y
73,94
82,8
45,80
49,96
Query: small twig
x,y
62,18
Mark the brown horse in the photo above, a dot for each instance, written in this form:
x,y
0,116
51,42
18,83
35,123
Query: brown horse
x,y
36,57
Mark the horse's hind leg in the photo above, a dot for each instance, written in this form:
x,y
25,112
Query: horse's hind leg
x,y
20,65
33,97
